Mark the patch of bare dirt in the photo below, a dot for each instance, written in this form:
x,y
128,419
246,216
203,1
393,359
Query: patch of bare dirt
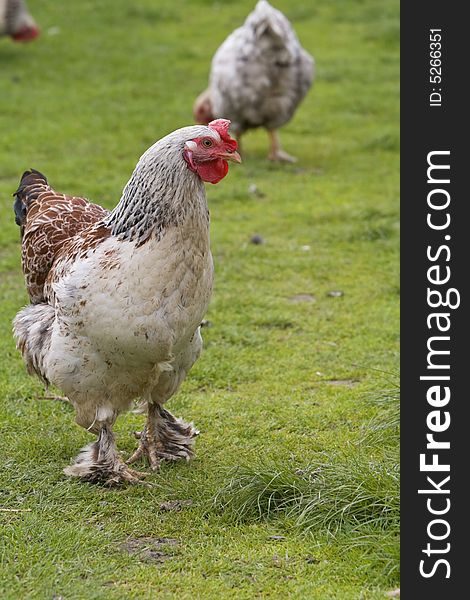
x,y
302,298
149,549
345,382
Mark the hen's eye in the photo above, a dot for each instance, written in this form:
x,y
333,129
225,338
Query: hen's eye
x,y
207,143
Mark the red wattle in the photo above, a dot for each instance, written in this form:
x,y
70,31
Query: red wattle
x,y
213,171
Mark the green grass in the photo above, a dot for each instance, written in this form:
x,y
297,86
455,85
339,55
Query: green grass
x,y
294,491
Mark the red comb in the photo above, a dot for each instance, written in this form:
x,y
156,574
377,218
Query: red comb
x,y
222,126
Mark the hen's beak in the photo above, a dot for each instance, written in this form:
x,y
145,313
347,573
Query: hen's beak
x,y
233,156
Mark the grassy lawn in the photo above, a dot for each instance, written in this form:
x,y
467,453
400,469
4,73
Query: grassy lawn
x,y
294,490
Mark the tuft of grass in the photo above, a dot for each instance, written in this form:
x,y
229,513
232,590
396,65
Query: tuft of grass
x,y
335,495
352,495
349,493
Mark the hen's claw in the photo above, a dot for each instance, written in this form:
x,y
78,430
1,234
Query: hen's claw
x,y
276,153
147,448
56,398
164,437
100,462
281,156
125,475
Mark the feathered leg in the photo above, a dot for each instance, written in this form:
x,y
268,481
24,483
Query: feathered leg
x,y
100,462
276,152
164,437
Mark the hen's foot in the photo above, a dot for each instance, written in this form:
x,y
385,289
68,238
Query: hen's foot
x,y
164,437
100,462
276,152
281,156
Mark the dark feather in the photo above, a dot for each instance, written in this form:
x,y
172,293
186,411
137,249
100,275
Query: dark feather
x,y
25,193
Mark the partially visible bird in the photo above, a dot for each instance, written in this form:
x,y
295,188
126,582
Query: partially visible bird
x,y
16,21
117,298
259,75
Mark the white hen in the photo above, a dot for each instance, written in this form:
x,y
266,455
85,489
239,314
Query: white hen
x,y
259,75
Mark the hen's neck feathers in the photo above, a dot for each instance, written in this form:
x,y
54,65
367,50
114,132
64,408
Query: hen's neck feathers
x,y
161,193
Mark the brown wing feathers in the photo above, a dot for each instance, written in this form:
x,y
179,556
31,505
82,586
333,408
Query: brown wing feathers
x,y
47,220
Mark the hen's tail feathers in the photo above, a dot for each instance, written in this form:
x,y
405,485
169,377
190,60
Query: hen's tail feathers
x,y
32,328
268,21
32,183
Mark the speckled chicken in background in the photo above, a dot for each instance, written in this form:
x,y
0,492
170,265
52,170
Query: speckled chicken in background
x,y
259,75
117,297
16,21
